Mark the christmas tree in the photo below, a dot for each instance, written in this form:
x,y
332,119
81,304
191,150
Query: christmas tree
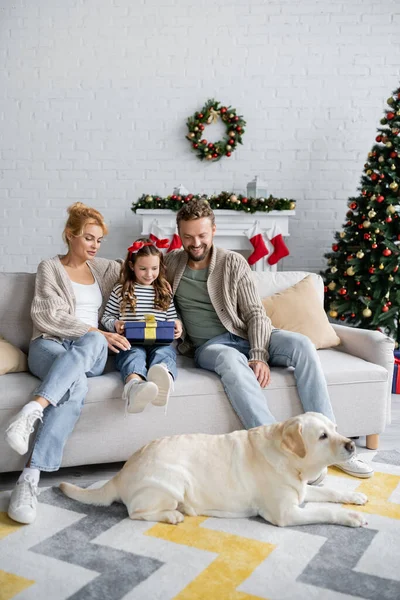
x,y
362,281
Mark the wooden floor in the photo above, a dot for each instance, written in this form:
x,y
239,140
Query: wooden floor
x,y
389,440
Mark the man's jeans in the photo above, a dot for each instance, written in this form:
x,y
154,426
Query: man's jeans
x,y
63,368
140,358
228,355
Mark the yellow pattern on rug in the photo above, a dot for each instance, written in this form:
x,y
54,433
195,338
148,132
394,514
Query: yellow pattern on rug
x,y
7,525
378,488
11,585
238,557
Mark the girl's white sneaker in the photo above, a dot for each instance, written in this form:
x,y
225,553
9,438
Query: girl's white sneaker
x,y
160,376
138,394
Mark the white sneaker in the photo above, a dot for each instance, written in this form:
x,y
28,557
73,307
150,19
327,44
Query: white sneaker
x,y
19,430
356,467
138,394
160,375
23,501
320,477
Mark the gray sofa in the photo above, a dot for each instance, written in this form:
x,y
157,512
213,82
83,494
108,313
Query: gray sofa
x,y
358,372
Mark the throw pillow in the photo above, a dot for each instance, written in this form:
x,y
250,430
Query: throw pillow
x,y
299,309
12,359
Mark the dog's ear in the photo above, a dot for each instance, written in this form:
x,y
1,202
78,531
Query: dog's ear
x,y
292,440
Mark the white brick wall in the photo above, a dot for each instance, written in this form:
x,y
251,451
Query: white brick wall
x,y
94,95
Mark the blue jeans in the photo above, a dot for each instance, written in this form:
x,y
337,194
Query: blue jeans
x,y
63,368
228,355
140,358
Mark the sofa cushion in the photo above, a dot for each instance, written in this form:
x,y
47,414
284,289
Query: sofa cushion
x,y
298,309
269,282
12,359
339,368
16,293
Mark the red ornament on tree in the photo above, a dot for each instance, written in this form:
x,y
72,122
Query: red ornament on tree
x,y
374,246
371,270
335,247
353,206
378,138
367,236
374,176
388,219
385,308
390,116
387,252
342,291
380,199
244,200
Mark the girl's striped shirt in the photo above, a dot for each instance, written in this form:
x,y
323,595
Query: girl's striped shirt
x,y
144,306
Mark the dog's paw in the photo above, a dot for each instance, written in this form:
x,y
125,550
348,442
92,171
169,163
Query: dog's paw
x,y
355,519
355,498
173,516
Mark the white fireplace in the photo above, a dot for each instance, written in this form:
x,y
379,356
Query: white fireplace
x,y
231,227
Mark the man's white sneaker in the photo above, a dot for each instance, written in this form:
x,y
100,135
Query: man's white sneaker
x,y
356,467
23,501
160,375
138,394
320,477
19,430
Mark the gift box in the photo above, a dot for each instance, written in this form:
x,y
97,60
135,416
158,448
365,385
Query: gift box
x,y
396,373
150,331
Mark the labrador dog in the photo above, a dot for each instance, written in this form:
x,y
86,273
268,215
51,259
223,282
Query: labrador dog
x,y
263,471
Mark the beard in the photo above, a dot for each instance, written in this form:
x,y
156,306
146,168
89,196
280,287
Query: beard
x,y
198,257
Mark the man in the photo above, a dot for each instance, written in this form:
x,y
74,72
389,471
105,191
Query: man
x,y
229,332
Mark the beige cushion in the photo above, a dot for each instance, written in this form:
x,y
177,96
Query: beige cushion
x,y
12,359
299,309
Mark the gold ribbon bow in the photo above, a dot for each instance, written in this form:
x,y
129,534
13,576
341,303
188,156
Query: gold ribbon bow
x,y
150,327
213,118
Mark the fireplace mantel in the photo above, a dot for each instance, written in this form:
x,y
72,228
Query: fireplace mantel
x,y
231,227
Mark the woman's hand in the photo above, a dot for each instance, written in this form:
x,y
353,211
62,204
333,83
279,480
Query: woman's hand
x,y
119,327
178,328
261,371
115,341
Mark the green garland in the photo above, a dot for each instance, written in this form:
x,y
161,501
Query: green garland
x,y
210,113
222,201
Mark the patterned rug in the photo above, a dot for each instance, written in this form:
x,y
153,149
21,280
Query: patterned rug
x,y
84,552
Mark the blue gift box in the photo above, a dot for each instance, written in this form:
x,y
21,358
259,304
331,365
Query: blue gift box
x,y
150,332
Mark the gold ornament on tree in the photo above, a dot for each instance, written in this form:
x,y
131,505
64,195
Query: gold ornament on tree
x,y
367,313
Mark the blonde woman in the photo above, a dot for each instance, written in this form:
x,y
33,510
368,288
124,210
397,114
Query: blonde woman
x,y
66,348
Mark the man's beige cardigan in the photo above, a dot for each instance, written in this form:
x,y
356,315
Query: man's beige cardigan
x,y
53,305
234,296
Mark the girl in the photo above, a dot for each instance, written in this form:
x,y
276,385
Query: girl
x,y
143,289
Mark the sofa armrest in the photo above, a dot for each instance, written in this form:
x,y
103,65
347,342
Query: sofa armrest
x,y
372,346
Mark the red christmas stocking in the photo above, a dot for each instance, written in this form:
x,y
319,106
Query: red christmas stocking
x,y
176,243
256,238
280,249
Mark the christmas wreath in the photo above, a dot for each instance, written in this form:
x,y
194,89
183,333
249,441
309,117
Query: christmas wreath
x,y
224,200
210,113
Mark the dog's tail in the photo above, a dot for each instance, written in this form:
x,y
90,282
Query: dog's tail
x,y
103,496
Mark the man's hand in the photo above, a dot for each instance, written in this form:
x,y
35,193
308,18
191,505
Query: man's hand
x,y
177,329
119,327
261,371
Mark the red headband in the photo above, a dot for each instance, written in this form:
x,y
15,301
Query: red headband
x,y
136,246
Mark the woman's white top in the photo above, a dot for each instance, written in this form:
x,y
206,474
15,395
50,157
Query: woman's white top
x,y
88,301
